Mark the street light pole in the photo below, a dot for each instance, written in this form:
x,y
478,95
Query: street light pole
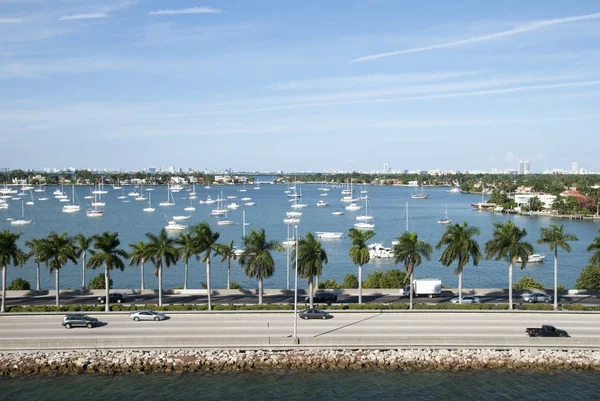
x,y
296,291
287,252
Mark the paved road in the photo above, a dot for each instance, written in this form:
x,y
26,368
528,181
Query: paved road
x,y
284,299
272,330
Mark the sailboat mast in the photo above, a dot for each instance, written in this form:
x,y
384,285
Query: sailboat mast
x,y
406,216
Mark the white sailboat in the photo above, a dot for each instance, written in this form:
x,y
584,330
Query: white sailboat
x,y
30,202
395,242
72,208
94,212
366,216
170,200
122,196
21,221
240,251
329,235
149,209
190,208
445,219
220,210
141,196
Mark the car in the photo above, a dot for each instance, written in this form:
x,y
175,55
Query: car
x,y
113,297
147,315
79,321
546,331
314,313
537,297
467,299
322,297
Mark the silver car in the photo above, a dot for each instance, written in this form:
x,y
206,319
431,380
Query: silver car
x,y
466,299
147,315
537,297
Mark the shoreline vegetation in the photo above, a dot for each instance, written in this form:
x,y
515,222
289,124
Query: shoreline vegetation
x,y
223,361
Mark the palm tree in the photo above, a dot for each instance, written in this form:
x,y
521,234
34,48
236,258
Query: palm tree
x,y
227,251
36,250
161,249
138,256
359,253
461,247
257,260
10,253
595,247
507,242
311,257
107,253
59,249
555,238
411,251
188,247
206,242
83,245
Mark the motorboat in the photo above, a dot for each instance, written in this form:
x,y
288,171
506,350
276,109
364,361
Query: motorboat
x,y
377,250
175,226
291,220
289,242
322,203
353,207
250,203
534,258
233,205
94,213
420,196
179,218
329,235
361,225
225,222
337,213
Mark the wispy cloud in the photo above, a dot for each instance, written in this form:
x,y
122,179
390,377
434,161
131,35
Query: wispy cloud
x,y
4,20
483,38
82,16
191,10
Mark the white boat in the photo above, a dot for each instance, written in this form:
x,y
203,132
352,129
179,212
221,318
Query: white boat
x,y
64,200
21,221
210,201
293,214
322,203
141,196
240,251
100,190
190,208
534,258
40,189
445,219
149,209
289,242
182,217
170,200
298,205
291,220
176,188
379,251
3,205
250,203
72,208
257,185
329,235
31,202
175,226
220,210
420,195
231,196
454,190
94,213
353,207
246,199
233,206
366,216
361,225
225,222
337,213
122,196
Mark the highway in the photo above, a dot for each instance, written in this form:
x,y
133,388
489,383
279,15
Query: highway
x,y
274,330
141,299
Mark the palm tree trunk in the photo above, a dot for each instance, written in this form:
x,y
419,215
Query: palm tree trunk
x,y
410,305
555,278
510,281
460,288
260,290
160,286
37,277
317,283
228,274
107,289
142,273
185,275
57,286
2,310
310,290
360,284
209,301
83,271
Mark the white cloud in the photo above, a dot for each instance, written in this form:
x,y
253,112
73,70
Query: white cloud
x,y
191,10
82,16
4,20
476,39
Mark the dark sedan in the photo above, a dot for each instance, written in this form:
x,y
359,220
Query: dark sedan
x,y
112,298
322,297
313,313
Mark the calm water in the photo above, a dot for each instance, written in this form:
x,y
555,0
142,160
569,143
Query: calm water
x,y
388,205
343,385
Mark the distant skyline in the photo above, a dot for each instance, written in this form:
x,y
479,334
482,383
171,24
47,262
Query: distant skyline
x,y
299,86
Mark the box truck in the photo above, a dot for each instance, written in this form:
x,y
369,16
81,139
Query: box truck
x,y
431,287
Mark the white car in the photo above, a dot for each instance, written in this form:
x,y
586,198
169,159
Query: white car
x,y
147,315
466,299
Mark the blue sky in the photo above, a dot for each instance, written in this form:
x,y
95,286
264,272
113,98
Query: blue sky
x,y
308,85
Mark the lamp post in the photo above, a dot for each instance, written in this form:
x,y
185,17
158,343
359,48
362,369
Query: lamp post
x,y
296,290
287,252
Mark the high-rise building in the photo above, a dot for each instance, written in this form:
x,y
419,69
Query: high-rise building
x,y
527,168
575,168
521,168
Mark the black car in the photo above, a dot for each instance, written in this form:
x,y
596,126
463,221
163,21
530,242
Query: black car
x,y
112,298
546,331
314,313
322,297
79,321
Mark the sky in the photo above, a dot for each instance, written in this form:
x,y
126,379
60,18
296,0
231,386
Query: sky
x,y
311,85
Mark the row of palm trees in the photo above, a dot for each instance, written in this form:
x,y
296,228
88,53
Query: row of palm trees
x,y
201,242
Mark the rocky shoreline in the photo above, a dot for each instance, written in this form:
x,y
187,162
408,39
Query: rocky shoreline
x,y
188,361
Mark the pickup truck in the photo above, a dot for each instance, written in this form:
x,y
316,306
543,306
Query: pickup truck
x,y
546,331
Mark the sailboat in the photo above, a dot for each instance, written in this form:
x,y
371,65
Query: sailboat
x,y
445,219
190,208
395,242
94,212
43,198
21,221
31,202
220,210
122,196
72,208
98,201
257,185
366,216
141,196
149,208
193,193
170,200
420,195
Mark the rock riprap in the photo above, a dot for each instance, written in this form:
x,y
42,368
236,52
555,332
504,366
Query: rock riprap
x,y
184,361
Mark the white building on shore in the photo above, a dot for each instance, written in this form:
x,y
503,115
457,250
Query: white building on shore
x,y
523,199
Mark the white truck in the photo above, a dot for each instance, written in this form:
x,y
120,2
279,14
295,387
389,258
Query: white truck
x,y
432,287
